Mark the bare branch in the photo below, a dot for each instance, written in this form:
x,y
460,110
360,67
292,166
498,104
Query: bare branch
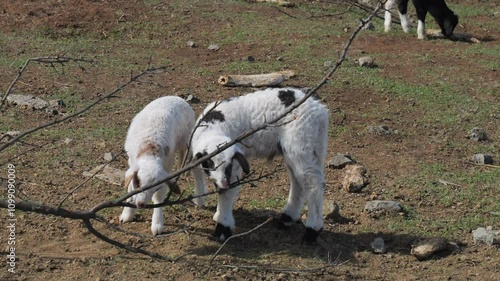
x,y
81,111
47,60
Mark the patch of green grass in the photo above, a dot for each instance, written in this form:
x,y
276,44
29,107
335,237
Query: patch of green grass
x,y
268,203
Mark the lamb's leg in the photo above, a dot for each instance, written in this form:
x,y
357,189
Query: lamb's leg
x,y
421,14
157,220
224,215
128,213
315,186
199,186
388,16
295,203
403,15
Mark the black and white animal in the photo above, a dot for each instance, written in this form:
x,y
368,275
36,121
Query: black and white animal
x,y
445,18
155,134
301,138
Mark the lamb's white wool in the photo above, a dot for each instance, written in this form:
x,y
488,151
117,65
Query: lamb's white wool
x,y
446,18
156,133
301,138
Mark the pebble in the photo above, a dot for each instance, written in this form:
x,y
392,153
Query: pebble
x,y
477,134
378,246
486,235
367,62
381,205
429,247
108,156
340,160
213,47
192,44
382,130
482,159
354,179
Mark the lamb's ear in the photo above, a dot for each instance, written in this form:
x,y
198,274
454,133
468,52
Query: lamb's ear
x,y
136,181
133,178
173,187
243,162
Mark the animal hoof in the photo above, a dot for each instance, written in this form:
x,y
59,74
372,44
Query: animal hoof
x,y
286,220
126,217
156,229
222,232
310,235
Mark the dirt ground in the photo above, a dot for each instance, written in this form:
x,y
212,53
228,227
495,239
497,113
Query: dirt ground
x,y
51,248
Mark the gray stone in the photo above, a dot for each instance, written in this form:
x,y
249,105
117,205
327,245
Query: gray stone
x,y
369,26
28,101
382,130
192,99
428,247
330,208
477,134
482,159
354,179
192,44
108,156
12,134
378,246
340,160
107,174
328,63
213,47
486,235
382,205
367,62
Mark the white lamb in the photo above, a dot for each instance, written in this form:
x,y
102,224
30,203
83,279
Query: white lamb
x,y
301,138
156,133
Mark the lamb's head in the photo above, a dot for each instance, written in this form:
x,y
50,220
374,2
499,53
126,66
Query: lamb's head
x,y
448,24
225,167
146,176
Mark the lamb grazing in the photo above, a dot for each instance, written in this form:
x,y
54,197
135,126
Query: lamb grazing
x,y
446,18
156,133
301,138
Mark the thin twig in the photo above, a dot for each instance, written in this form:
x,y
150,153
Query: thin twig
x,y
88,179
46,60
238,235
57,121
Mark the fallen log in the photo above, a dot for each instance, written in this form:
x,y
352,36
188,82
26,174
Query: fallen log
x,y
279,2
256,80
436,33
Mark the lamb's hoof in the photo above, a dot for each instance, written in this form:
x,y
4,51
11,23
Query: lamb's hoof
x,y
286,221
156,229
222,232
311,235
126,217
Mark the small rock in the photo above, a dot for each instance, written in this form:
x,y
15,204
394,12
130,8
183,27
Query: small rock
x,y
369,26
28,101
57,103
429,247
12,134
279,59
108,156
213,47
486,235
192,44
328,63
67,141
367,62
382,205
482,159
250,59
107,174
477,134
330,208
339,161
378,246
192,99
382,130
354,179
